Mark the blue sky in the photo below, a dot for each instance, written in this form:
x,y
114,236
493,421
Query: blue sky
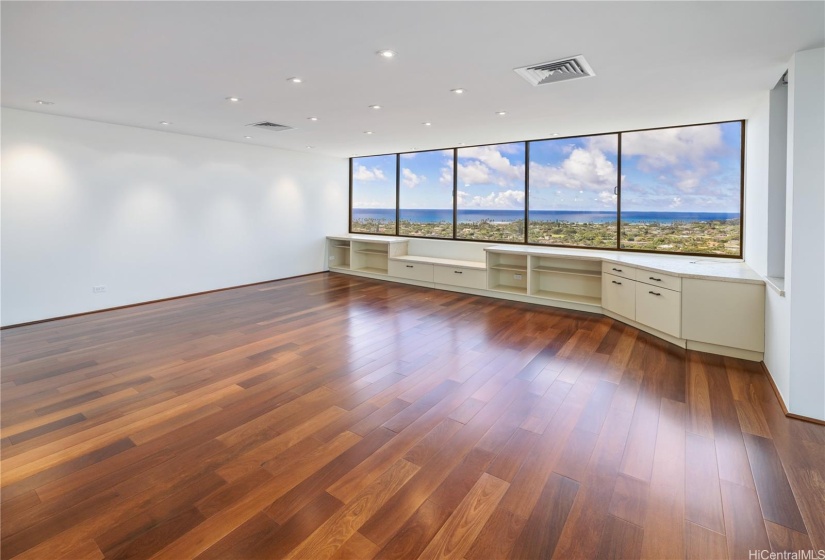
x,y
574,173
491,177
685,169
427,180
373,182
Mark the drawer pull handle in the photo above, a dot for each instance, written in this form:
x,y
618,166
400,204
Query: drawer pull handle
x,y
457,272
655,279
619,283
409,266
655,293
618,269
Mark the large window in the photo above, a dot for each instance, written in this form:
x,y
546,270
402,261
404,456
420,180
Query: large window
x,y
681,189
490,193
426,194
373,194
670,190
573,186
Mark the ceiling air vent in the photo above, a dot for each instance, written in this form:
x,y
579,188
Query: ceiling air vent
x,y
266,125
571,68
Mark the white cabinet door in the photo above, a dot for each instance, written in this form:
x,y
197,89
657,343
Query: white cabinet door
x,y
725,313
619,295
659,308
463,277
411,271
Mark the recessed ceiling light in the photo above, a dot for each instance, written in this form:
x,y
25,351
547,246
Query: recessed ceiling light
x,y
457,90
42,102
375,106
367,132
295,80
165,123
501,113
461,143
248,137
233,99
555,134
313,119
427,124
386,53
310,147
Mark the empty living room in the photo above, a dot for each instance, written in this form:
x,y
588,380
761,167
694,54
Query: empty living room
x,y
355,280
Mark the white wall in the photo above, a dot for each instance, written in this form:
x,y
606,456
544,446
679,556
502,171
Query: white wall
x,y
151,214
795,323
805,218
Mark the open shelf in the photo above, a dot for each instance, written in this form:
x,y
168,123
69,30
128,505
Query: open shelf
x,y
507,272
338,254
565,296
371,252
371,270
509,289
559,270
514,267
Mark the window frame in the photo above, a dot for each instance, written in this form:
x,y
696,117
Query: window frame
x,y
618,248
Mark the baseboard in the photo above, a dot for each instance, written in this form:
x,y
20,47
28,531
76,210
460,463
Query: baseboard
x,y
750,355
782,401
138,304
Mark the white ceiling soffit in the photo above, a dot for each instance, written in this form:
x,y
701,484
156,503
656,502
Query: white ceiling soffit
x,y
140,63
572,68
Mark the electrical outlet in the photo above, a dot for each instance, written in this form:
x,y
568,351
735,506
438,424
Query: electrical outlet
x,y
516,276
98,289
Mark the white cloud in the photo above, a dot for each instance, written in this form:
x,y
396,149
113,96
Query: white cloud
x,y
371,204
676,202
487,166
684,158
447,173
410,179
668,147
584,169
362,173
607,199
505,200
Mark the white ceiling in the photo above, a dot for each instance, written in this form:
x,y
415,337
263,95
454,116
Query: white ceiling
x,y
139,63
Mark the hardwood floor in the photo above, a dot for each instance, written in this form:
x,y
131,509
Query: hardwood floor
x,y
335,417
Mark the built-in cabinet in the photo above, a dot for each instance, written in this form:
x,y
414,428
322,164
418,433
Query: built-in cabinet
x,y
619,295
650,298
565,279
714,306
507,272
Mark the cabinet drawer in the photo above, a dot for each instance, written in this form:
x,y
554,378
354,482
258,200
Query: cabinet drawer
x,y
464,277
411,271
659,308
659,279
619,295
619,270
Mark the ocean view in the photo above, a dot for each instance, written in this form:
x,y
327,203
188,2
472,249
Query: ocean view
x,y
425,216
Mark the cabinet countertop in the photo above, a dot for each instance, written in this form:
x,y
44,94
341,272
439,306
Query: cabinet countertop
x,y
702,268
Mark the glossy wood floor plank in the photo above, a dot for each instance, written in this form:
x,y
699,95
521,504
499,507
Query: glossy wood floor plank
x,y
336,417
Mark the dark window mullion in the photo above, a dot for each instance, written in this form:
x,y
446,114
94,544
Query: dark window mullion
x,y
619,195
397,193
455,192
350,195
526,191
